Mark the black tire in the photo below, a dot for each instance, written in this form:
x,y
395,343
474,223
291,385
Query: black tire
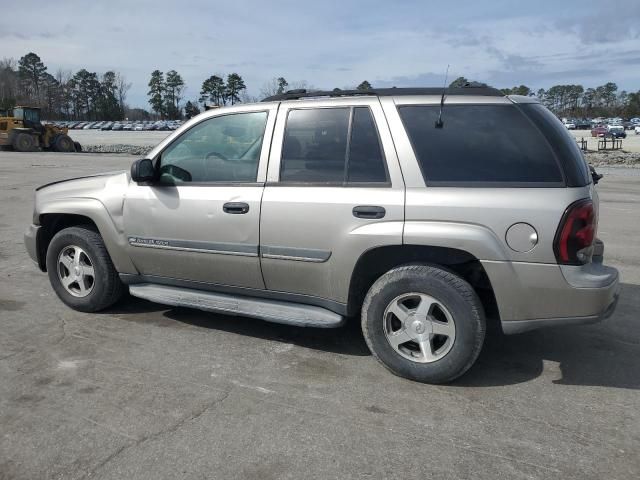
x,y
448,289
106,289
78,146
63,143
24,142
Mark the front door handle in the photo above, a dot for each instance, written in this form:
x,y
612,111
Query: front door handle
x,y
236,208
369,211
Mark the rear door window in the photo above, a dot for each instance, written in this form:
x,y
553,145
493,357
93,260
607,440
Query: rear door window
x,y
337,146
480,145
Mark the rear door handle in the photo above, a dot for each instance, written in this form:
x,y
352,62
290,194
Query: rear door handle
x,y
236,208
369,211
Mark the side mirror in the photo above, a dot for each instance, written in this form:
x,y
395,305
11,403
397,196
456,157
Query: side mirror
x,y
143,171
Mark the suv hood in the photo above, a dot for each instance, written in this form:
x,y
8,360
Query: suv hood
x,y
81,180
107,188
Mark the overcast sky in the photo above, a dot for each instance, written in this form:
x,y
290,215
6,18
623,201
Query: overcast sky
x,y
335,43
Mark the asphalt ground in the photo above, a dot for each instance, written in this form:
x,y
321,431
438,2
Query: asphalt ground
x,y
146,391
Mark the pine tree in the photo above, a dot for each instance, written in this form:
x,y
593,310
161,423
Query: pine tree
x,y
235,85
282,85
213,90
191,109
32,73
157,89
174,87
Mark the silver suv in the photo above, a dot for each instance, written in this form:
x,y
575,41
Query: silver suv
x,y
429,216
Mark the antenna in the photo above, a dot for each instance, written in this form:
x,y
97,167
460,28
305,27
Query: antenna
x,y
439,122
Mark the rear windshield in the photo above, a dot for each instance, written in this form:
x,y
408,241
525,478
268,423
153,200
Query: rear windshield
x,y
480,145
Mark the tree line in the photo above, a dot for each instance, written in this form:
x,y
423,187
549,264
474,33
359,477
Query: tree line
x,y
64,95
577,101
86,95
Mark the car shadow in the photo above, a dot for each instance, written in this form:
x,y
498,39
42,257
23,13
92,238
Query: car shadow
x,y
346,340
605,354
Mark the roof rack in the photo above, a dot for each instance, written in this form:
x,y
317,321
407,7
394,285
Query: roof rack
x,y
474,89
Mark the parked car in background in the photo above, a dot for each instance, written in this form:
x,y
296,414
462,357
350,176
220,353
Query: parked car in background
x,y
616,131
107,126
570,125
116,126
583,124
138,127
599,131
637,130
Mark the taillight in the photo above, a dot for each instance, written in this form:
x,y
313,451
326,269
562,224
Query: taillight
x,y
577,229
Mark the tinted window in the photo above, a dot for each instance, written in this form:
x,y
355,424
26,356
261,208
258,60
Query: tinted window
x,y
220,149
366,163
317,147
491,144
562,142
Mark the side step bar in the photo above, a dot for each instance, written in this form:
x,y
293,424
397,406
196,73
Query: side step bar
x,y
263,309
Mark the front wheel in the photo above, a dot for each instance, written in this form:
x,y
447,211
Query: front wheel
x,y
423,323
63,143
80,270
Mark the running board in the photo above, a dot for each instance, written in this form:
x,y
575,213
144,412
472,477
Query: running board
x,y
264,309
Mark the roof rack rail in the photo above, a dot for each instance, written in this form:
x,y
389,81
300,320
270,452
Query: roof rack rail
x,y
469,89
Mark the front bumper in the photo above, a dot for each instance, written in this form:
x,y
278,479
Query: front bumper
x,y
31,242
533,295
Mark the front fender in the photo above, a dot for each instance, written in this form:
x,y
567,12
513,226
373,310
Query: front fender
x,y
113,237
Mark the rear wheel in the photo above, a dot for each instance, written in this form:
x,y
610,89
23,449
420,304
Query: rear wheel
x,y
78,146
63,143
24,142
80,270
423,323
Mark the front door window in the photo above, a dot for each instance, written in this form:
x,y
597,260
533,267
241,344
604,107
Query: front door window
x,y
221,149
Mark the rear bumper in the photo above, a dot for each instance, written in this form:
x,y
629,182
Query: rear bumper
x,y
513,327
533,295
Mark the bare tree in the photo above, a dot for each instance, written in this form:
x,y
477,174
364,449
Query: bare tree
x,y
246,98
122,88
9,83
269,88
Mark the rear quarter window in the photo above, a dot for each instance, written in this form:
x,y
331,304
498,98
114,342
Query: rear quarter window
x,y
564,145
480,145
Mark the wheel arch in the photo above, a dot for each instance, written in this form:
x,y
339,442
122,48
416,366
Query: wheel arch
x,y
375,262
89,212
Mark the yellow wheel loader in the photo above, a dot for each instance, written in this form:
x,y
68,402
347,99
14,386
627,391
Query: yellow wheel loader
x,y
23,131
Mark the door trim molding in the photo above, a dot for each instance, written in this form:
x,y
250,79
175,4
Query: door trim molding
x,y
295,254
241,249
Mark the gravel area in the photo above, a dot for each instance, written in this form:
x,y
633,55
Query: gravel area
x,y
118,148
614,158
